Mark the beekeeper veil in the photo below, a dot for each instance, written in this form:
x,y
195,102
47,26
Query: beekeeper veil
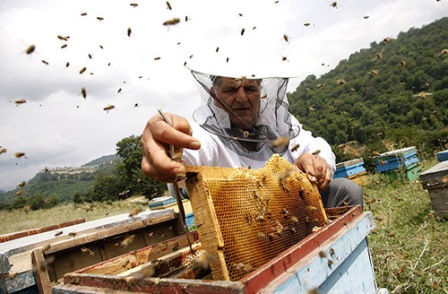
x,y
260,136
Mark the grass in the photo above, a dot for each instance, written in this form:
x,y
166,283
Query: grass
x,y
409,245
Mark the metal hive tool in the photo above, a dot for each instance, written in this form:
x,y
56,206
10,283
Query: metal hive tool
x,y
246,217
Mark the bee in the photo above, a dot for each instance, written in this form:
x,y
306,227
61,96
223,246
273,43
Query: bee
x,y
82,70
119,91
46,247
45,62
203,260
129,32
306,24
284,58
26,208
19,154
90,56
242,31
286,38
261,235
171,22
128,240
109,107
86,250
20,101
376,153
422,95
280,142
20,192
319,86
134,4
292,230
58,233
83,13
332,252
330,262
310,207
316,152
168,5
340,82
322,254
294,219
3,150
227,59
157,58
63,46
278,227
334,4
374,73
84,92
135,212
403,63
444,52
30,49
366,16
67,64
72,234
386,40
217,49
62,38
100,18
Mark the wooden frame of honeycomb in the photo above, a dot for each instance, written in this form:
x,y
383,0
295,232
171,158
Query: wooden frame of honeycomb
x,y
245,217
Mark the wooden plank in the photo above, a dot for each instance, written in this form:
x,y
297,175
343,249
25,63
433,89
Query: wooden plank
x,y
21,234
207,223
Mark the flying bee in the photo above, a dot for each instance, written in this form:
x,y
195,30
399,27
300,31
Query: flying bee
x,y
242,31
21,184
86,250
319,86
135,212
340,82
63,46
109,107
306,24
84,92
83,13
127,241
30,49
119,91
403,63
227,59
280,142
422,95
58,233
129,32
386,40
374,73
19,154
20,192
171,22
62,38
82,70
334,4
322,254
134,4
26,208
3,150
217,49
378,55
157,58
366,16
45,62
72,234
67,64
286,38
100,18
316,152
168,5
20,101
284,58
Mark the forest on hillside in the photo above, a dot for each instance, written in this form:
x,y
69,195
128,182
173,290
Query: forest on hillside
x,y
391,95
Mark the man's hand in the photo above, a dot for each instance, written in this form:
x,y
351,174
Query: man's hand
x,y
317,169
157,163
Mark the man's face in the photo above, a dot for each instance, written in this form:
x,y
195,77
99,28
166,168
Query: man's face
x,y
241,98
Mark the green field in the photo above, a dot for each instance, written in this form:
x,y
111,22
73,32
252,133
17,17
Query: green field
x,y
409,245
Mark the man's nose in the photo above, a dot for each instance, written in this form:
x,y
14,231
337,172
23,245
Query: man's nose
x,y
241,95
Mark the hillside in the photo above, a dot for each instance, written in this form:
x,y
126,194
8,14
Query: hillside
x,y
62,183
391,95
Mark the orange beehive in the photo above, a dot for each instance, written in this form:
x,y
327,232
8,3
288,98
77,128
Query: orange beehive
x,y
245,217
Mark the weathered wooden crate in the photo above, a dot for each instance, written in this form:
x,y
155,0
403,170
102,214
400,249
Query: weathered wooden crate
x,y
399,164
333,259
442,155
353,170
435,181
39,261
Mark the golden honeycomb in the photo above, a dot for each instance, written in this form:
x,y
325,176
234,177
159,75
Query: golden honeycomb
x,y
247,217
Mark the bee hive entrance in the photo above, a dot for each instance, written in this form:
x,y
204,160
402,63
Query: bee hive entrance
x,y
246,217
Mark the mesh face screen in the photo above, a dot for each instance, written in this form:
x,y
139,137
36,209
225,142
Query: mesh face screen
x,y
258,213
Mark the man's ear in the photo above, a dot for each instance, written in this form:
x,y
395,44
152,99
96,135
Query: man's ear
x,y
212,92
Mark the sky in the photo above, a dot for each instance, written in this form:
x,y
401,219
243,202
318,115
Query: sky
x,y
139,65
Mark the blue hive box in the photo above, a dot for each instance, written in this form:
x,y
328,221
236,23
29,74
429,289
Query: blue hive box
x,y
350,168
442,155
396,159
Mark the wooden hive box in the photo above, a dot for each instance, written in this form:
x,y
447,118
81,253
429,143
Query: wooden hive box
x,y
435,181
442,155
333,259
399,164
